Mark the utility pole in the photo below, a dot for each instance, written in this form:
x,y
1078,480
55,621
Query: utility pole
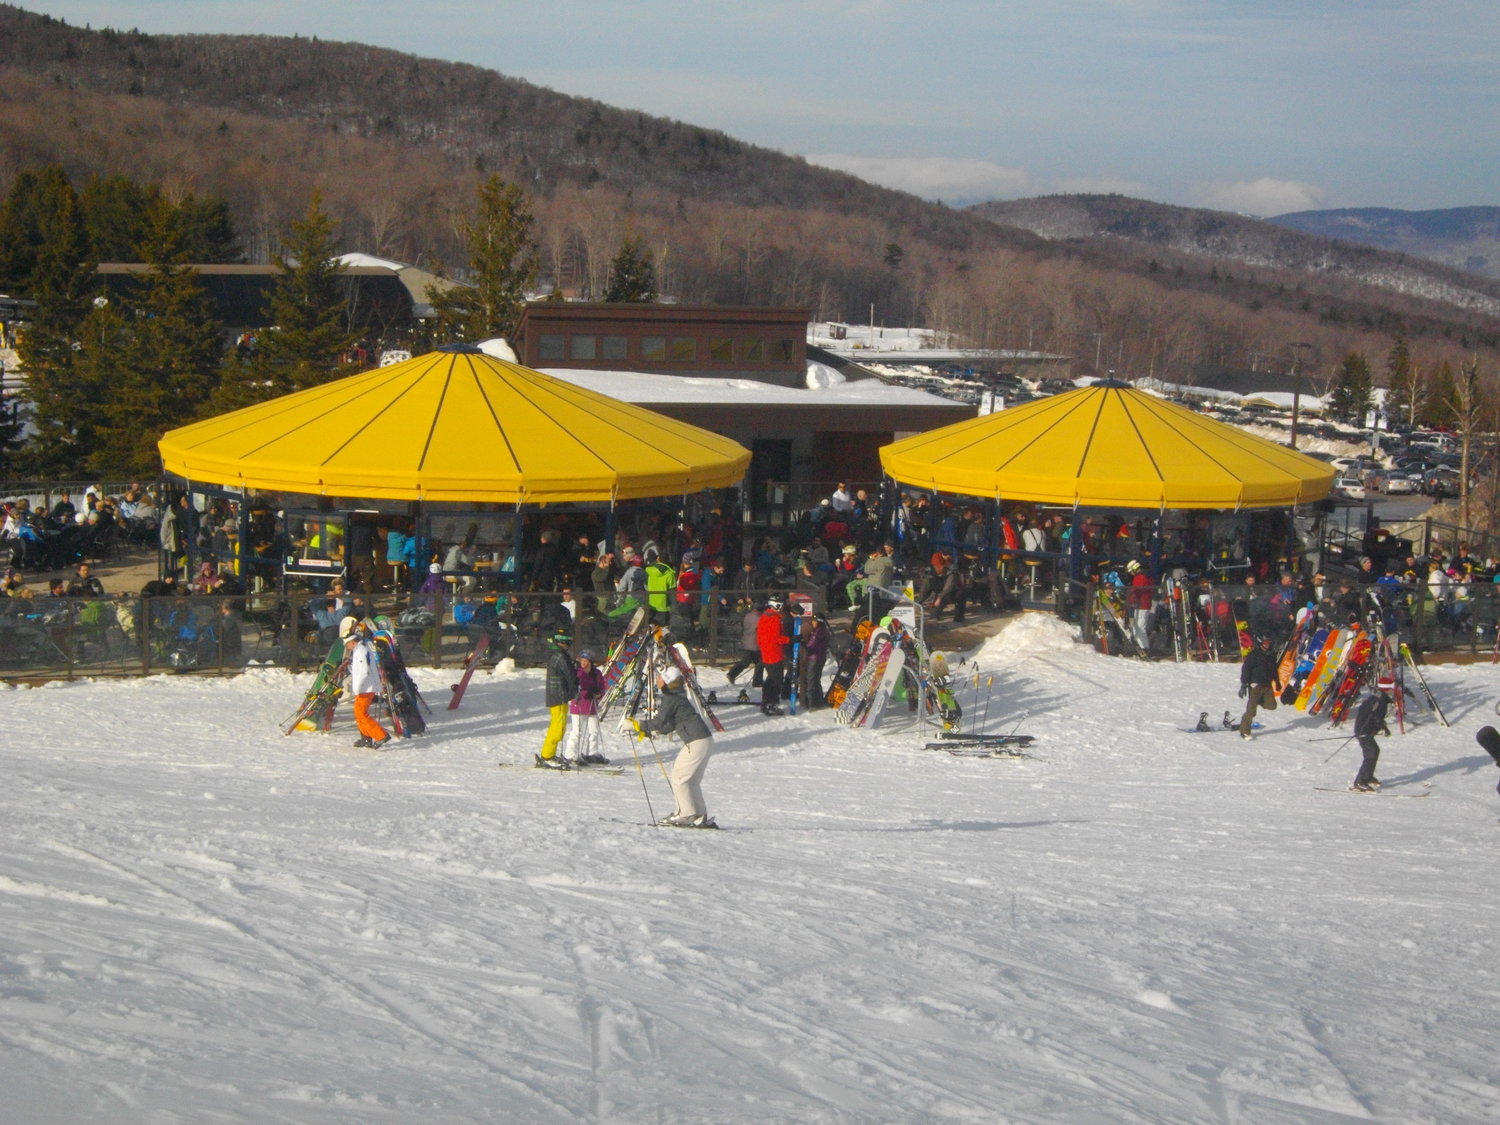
x,y
1296,350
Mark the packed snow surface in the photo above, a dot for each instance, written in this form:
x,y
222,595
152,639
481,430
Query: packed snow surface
x,y
204,920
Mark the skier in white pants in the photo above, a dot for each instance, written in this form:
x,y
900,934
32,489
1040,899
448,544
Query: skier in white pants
x,y
675,713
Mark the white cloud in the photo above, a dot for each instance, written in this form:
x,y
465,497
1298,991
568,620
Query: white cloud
x,y
1262,197
954,181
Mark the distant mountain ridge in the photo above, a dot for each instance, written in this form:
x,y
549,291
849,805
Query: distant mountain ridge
x,y
1467,238
1257,243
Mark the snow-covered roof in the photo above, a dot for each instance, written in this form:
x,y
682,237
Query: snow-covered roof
x,y
825,387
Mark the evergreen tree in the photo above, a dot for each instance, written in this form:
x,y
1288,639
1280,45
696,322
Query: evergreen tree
x,y
309,332
12,425
632,275
116,211
1403,382
1441,404
51,265
1352,394
503,264
168,361
118,214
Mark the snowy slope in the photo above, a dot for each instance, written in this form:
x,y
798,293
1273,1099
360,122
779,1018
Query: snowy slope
x,y
203,920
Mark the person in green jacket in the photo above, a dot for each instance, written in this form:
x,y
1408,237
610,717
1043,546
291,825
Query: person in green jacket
x,y
661,582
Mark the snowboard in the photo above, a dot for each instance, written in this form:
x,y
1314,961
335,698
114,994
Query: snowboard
x,y
472,662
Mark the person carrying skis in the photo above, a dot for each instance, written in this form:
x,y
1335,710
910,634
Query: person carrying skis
x,y
771,635
1369,721
562,686
1257,687
364,682
584,740
675,713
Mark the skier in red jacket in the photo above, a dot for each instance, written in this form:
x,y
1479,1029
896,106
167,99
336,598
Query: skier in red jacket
x,y
771,633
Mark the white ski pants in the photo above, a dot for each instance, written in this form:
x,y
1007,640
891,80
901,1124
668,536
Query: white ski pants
x,y
687,776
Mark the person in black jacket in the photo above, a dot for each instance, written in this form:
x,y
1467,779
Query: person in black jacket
x,y
562,686
1257,673
1369,721
675,713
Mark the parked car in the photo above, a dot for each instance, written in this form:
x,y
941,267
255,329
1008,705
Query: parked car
x,y
1440,483
1352,487
1399,483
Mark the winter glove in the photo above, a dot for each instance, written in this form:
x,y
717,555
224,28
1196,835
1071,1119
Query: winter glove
x,y
1244,690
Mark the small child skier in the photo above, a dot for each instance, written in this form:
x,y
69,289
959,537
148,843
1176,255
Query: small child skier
x,y
364,682
1369,721
584,739
562,686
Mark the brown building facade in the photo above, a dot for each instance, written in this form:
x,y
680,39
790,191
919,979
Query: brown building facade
x,y
768,345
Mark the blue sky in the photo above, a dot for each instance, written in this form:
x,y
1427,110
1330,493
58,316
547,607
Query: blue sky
x,y
1260,106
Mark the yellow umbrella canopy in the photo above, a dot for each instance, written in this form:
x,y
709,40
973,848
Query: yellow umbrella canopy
x,y
454,425
1107,446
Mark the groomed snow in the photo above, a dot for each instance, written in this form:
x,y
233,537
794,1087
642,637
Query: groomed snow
x,y
203,920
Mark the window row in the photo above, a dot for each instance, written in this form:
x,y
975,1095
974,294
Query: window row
x,y
662,349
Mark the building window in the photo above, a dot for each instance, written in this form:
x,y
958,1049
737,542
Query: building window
x,y
684,349
654,349
549,346
585,347
755,351
615,348
783,351
721,350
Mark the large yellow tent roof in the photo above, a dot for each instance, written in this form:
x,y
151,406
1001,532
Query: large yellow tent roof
x,y
1107,446
454,425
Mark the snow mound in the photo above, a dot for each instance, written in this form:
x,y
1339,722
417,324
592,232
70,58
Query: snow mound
x,y
1029,634
500,348
820,375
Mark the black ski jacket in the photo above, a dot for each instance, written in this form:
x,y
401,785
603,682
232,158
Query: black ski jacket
x,y
562,678
1259,667
1369,720
675,712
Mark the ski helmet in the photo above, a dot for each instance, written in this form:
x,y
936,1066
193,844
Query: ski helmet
x,y
1386,682
561,637
1132,567
587,654
773,602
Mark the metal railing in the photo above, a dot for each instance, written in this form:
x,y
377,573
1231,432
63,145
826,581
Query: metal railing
x,y
129,635
1195,622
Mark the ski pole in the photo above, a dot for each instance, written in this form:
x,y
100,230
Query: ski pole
x,y
1340,746
642,774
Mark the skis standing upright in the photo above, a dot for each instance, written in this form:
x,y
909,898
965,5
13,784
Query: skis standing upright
x,y
1422,685
796,676
678,655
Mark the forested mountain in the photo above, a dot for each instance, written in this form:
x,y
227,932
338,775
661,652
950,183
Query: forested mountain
x,y
1465,237
396,145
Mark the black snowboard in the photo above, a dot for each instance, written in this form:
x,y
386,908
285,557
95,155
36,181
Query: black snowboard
x,y
1489,738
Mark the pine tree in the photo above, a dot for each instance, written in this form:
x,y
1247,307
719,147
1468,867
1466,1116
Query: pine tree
x,y
503,264
1352,392
1403,382
168,362
632,274
309,333
49,262
1441,404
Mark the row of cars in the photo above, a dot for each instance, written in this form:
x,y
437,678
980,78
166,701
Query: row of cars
x,y
1430,472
